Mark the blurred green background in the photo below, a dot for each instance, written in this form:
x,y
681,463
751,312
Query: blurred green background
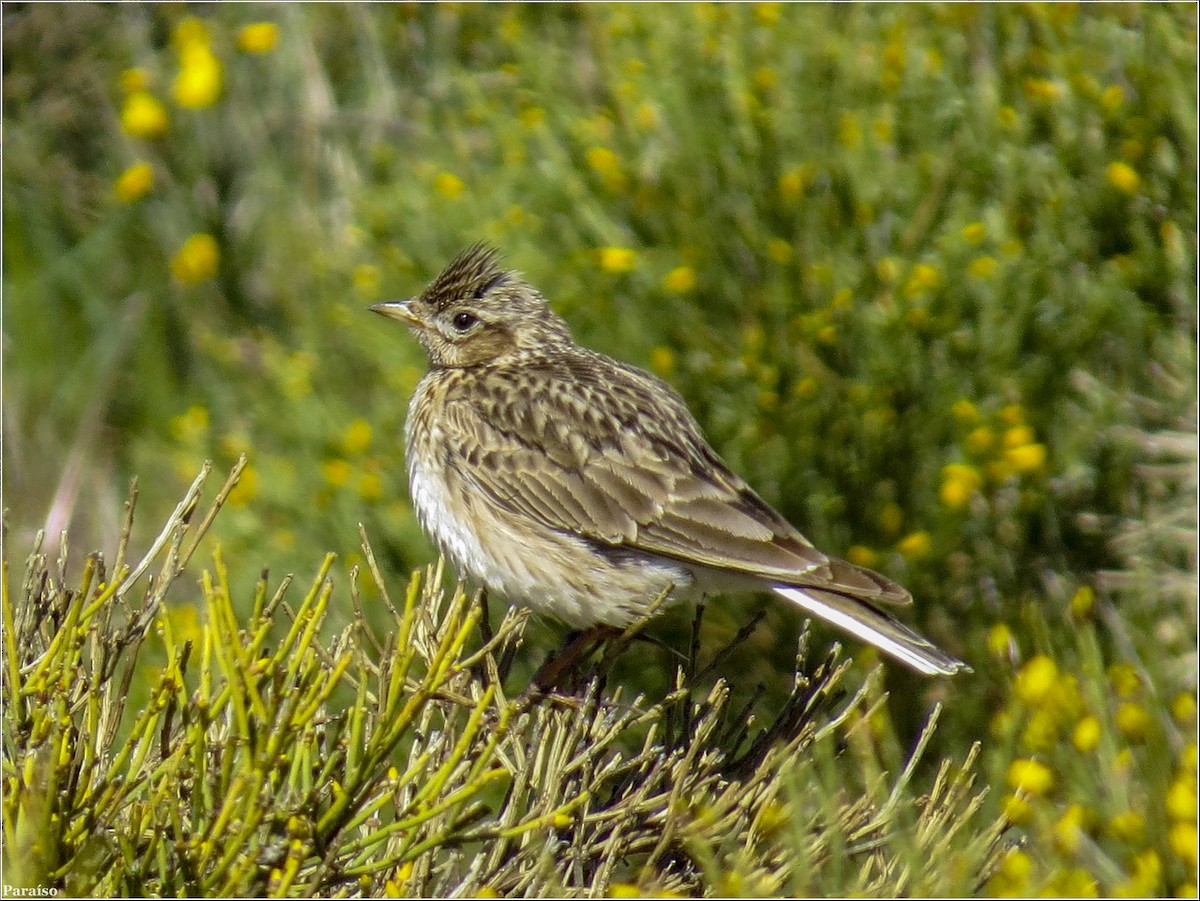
x,y
926,275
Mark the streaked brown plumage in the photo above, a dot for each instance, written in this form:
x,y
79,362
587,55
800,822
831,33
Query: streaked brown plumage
x,y
582,487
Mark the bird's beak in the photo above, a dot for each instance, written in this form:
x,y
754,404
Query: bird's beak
x,y
397,309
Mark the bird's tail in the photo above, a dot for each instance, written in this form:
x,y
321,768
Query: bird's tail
x,y
870,624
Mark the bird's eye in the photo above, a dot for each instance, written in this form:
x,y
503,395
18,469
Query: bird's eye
x,y
463,321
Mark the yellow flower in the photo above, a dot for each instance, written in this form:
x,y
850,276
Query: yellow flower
x,y
608,166
1181,798
198,83
680,280
923,279
134,183
189,34
1036,680
1133,720
366,281
258,37
1069,828
1030,776
370,487
959,483
974,233
1000,642
1128,826
862,556
357,437
1124,679
532,116
915,546
196,260
1087,734
617,260
1028,458
891,519
964,411
980,439
336,472
662,360
1183,709
1112,98
1122,176
190,427
448,185
793,182
983,267
767,14
1042,89
1016,809
779,250
1183,839
133,80
143,116
1082,602
247,486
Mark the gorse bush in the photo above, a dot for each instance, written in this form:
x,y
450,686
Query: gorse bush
x,y
926,275
273,760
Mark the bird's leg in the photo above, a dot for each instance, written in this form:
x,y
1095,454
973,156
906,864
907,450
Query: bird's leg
x,y
577,646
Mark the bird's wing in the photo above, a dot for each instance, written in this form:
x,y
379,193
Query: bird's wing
x,y
611,454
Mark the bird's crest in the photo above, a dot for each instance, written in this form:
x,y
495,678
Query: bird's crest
x,y
471,273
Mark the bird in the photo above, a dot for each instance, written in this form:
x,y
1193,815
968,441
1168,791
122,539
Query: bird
x,y
582,487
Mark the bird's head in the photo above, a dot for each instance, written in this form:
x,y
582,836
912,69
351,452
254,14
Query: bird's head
x,y
476,312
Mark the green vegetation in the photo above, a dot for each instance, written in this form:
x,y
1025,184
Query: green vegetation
x,y
927,276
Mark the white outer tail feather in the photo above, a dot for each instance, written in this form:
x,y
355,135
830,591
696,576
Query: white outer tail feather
x,y
931,664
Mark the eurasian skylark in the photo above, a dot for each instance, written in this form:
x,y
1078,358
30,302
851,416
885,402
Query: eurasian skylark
x,y
581,487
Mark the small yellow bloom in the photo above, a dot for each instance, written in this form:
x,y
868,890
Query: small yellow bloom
x,y
887,269
258,37
1030,776
1016,809
134,183
1128,826
923,279
959,484
1086,735
246,488
1183,709
196,260
1043,89
860,555
974,233
190,427
964,411
336,472
370,487
1069,828
1028,458
779,250
1112,98
357,437
1183,839
143,116
794,181
1181,798
1122,176
980,439
983,267
133,80
849,131
1012,414
662,360
1017,865
915,545
1036,680
448,185
1000,642
1133,720
767,14
646,116
1018,435
1082,602
680,280
198,84
1007,117
189,34
1124,679
617,260
532,116
1041,731
891,518
366,281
